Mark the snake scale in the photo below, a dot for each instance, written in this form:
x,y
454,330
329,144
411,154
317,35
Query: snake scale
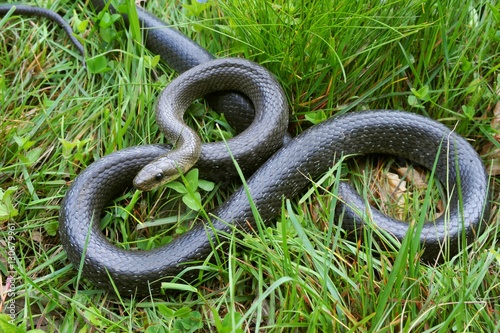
x,y
281,172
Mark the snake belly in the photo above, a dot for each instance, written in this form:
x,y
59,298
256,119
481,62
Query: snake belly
x,y
284,175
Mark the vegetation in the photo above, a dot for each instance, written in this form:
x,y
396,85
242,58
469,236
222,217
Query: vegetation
x,y
439,58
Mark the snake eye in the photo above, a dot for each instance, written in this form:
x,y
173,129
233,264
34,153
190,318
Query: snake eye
x,y
159,176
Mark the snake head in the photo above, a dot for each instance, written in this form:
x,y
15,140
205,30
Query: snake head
x,y
152,175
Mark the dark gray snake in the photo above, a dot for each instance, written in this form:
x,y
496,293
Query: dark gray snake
x,y
283,175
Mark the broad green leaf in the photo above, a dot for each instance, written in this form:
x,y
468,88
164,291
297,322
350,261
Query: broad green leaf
x,y
177,187
7,209
193,202
206,185
192,179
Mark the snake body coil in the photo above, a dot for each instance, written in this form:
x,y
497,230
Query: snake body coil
x,y
283,175
250,148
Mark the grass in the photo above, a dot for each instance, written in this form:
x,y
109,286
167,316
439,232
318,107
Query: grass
x,y
437,58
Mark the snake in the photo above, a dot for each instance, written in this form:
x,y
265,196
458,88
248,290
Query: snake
x,y
284,172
